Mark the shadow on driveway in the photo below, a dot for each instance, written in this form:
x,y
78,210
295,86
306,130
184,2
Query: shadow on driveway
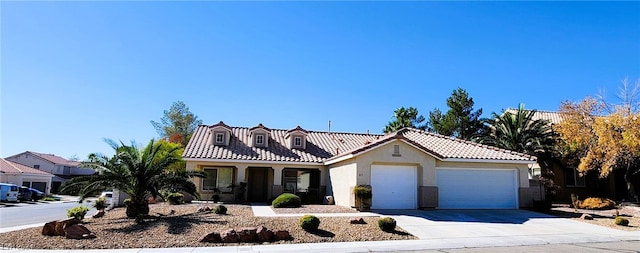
x,y
502,216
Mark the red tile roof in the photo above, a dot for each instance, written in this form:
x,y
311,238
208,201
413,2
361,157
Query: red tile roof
x,y
55,159
10,167
326,146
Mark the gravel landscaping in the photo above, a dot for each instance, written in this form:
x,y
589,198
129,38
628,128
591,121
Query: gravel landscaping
x,y
182,226
601,217
315,209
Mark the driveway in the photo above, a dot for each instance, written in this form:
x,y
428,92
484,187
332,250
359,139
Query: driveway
x,y
481,228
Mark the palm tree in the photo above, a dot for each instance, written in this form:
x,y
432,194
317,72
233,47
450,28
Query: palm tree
x,y
519,132
404,117
139,172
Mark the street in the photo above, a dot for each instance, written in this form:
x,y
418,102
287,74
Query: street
x,y
34,213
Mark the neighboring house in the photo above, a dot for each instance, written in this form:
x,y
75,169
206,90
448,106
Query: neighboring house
x,y
407,169
63,169
566,175
22,175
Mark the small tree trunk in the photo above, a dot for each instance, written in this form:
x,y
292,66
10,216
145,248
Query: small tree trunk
x,y
630,189
138,206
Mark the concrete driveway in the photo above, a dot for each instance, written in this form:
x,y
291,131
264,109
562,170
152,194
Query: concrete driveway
x,y
482,228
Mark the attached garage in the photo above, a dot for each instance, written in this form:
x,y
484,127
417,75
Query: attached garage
x,y
460,188
394,187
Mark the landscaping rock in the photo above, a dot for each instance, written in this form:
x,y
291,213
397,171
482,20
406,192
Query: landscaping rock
x,y
49,228
282,235
204,209
586,217
248,235
265,234
77,231
99,214
357,221
211,237
56,228
229,236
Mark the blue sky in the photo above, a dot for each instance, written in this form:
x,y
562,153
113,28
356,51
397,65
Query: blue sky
x,y
73,73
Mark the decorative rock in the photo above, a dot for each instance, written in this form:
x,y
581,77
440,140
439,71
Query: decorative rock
x,y
586,217
357,221
204,209
248,235
56,228
77,231
99,214
49,228
229,236
264,234
211,237
282,235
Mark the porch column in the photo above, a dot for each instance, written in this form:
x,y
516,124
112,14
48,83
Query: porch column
x,y
277,181
242,172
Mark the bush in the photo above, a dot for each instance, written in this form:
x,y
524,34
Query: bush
x,y
220,209
309,223
175,198
100,204
287,200
622,221
387,224
362,192
77,212
127,201
596,204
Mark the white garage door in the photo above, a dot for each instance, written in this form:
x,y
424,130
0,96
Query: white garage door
x,y
394,187
477,189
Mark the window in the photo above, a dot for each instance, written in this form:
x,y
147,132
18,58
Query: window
x,y
220,178
259,139
219,138
396,150
37,166
297,141
572,178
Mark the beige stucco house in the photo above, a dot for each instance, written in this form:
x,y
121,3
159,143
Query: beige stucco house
x,y
22,175
407,169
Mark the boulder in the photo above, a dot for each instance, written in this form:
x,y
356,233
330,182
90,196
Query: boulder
x,y
211,237
229,236
357,221
264,234
204,209
248,235
282,235
56,228
98,214
49,228
586,217
77,231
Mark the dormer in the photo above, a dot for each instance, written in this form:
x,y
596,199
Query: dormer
x,y
220,134
259,136
296,138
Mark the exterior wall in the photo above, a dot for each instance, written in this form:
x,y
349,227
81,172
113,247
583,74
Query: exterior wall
x,y
18,179
31,160
343,178
241,175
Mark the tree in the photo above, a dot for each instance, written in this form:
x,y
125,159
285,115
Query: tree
x,y
139,172
460,120
177,124
404,117
520,132
605,136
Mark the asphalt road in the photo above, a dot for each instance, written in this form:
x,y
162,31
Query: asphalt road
x,y
34,213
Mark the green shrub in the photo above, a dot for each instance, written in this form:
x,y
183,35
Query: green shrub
x,y
100,204
362,192
220,209
309,223
287,200
127,201
49,199
622,221
175,198
387,224
596,203
77,212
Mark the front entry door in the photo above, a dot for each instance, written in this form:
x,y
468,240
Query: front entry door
x,y
257,185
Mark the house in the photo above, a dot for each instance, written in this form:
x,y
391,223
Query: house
x,y
61,168
22,175
565,173
407,169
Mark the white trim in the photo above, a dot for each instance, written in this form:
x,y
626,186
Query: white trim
x,y
250,161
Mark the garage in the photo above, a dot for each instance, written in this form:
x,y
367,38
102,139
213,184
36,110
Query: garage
x,y
477,188
394,187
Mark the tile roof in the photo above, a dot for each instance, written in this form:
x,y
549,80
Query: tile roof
x,y
55,159
326,146
552,117
10,167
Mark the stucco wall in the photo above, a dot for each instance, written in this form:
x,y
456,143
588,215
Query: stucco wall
x,y
31,160
343,178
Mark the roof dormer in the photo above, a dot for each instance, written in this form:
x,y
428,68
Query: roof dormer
x,y
259,136
220,134
297,138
